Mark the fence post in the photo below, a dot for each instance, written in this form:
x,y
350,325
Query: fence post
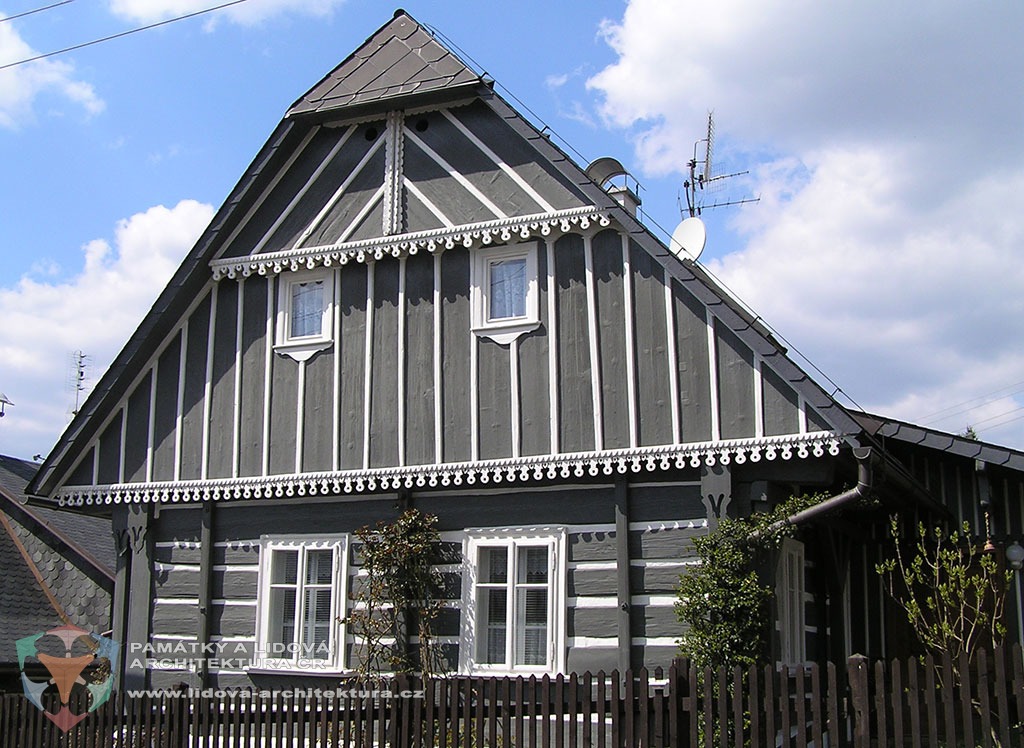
x,y
857,672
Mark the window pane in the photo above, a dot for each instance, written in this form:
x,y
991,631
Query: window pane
x,y
318,567
532,622
285,565
492,611
316,616
493,565
307,309
533,565
282,622
507,289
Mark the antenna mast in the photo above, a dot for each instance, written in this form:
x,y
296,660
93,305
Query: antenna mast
x,y
702,179
76,377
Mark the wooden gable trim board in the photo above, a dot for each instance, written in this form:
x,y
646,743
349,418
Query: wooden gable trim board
x,y
552,467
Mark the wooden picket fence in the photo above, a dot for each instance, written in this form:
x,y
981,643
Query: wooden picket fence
x,y
860,704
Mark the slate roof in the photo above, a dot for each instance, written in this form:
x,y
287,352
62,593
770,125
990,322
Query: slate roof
x,y
890,428
73,554
401,59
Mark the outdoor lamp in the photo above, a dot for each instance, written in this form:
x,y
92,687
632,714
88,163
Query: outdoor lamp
x,y
1015,556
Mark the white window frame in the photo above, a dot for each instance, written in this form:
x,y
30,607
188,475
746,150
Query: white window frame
x,y
503,331
263,660
554,540
303,347
789,595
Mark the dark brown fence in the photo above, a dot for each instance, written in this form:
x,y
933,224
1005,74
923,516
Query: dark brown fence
x,y
859,704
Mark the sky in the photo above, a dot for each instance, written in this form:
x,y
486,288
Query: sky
x,y
885,142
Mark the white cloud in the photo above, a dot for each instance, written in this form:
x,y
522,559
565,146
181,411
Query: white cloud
x,y
22,85
245,13
885,144
94,311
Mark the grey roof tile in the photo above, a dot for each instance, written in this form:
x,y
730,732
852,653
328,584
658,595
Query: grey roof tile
x,y
399,59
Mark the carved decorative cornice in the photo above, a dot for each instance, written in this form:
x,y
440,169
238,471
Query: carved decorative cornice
x,y
434,240
510,471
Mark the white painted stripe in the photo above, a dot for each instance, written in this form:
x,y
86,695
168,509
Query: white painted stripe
x,y
267,190
179,415
801,413
592,642
592,566
438,403
193,601
329,206
654,641
267,372
363,212
336,394
302,192
236,405
208,386
175,637
716,430
592,602
300,419
466,184
627,305
151,431
235,603
400,405
162,566
664,564
434,210
237,568
513,175
368,365
96,459
654,601
513,377
474,398
552,327
124,440
673,358
595,364
758,398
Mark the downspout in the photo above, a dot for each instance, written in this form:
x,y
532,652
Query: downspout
x,y
865,484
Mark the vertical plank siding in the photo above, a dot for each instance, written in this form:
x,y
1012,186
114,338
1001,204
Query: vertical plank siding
x,y
856,705
607,325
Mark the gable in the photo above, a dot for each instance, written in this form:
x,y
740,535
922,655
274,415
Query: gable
x,y
633,359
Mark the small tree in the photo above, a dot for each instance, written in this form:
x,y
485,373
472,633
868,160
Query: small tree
x,y
953,593
400,593
722,601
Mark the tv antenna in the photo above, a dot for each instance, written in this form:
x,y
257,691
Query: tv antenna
x,y
76,377
704,181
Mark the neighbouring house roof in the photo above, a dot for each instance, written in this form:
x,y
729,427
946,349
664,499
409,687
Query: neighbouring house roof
x,y
52,562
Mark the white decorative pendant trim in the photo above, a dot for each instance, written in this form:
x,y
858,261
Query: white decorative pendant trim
x,y
366,250
508,470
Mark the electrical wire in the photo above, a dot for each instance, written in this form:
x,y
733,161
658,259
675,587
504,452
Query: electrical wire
x,y
972,403
37,10
121,34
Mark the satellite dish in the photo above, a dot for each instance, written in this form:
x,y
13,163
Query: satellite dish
x,y
688,239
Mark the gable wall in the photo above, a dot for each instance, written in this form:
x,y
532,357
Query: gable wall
x,y
612,365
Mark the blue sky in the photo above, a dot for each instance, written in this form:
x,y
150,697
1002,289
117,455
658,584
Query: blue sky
x,y
886,143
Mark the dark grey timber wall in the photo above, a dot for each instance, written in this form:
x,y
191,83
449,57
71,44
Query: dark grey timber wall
x,y
403,394
664,517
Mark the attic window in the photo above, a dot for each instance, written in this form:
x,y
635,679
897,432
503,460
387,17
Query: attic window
x,y
304,312
504,292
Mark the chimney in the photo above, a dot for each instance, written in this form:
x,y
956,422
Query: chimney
x,y
604,170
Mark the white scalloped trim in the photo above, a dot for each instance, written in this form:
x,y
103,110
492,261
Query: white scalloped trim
x,y
509,470
469,236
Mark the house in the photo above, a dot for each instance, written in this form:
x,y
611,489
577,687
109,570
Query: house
x,y
414,298
57,568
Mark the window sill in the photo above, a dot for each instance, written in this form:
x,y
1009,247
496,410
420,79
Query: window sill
x,y
503,334
303,350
